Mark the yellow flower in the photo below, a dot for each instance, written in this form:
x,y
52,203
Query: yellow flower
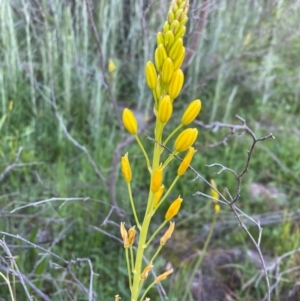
x,y
131,235
217,208
151,75
158,195
111,66
126,170
213,191
179,60
165,109
176,83
163,276
186,139
173,209
130,122
167,234
167,70
157,179
186,161
160,56
176,49
191,112
124,235
146,271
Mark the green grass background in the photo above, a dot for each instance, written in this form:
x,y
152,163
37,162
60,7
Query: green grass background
x,y
243,59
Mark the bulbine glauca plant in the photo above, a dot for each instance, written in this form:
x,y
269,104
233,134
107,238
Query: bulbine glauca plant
x,y
165,79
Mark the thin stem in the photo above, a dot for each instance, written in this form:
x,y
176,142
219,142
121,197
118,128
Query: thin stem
x,y
133,207
155,100
128,268
9,286
170,158
172,134
200,259
168,191
131,258
144,152
156,253
147,290
155,232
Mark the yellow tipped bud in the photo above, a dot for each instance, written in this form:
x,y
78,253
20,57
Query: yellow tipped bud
x,y
124,235
175,26
180,32
165,109
176,49
130,122
168,234
158,195
167,71
166,27
163,276
160,56
186,139
169,39
179,60
173,209
160,39
213,191
151,75
131,235
146,271
183,20
171,17
179,14
111,66
217,208
126,170
186,161
191,112
176,83
157,179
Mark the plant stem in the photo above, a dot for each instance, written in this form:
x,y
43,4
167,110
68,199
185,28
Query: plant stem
x,y
144,152
132,206
156,232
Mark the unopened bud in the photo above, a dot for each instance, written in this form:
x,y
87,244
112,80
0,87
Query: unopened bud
x,y
173,209
167,234
176,83
186,139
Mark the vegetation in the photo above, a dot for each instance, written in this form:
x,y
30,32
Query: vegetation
x,y
62,195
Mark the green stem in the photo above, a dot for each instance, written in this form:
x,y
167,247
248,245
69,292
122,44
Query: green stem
x,y
155,232
172,134
155,100
131,258
200,259
168,191
132,206
144,152
147,290
156,253
170,158
128,268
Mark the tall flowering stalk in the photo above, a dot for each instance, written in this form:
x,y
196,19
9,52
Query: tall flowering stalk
x,y
165,79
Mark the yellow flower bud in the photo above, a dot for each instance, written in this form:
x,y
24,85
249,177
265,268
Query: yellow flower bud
x,y
186,161
165,109
186,139
166,27
130,122
169,39
176,83
160,39
111,66
163,276
176,49
160,56
167,234
158,195
180,32
151,75
167,70
174,26
183,20
179,60
156,180
126,170
146,271
191,112
179,14
173,209
213,191
171,17
217,208
131,235
124,235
